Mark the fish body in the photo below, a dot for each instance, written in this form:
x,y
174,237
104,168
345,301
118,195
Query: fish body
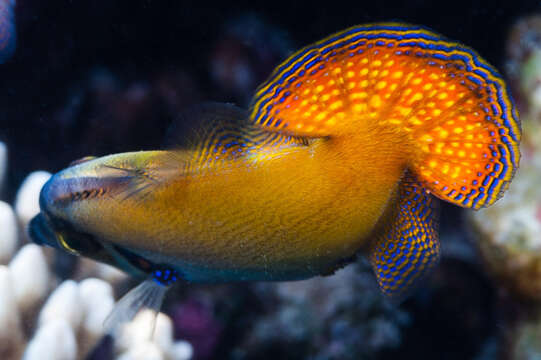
x,y
250,219
345,149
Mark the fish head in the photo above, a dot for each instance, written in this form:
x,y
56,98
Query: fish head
x,y
76,203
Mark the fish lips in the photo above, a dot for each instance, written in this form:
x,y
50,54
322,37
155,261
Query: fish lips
x,y
42,232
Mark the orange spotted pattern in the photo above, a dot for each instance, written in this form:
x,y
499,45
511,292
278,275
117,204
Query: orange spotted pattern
x,y
454,107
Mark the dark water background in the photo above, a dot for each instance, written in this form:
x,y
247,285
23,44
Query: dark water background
x,y
99,77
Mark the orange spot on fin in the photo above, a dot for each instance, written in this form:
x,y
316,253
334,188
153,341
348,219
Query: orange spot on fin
x,y
408,247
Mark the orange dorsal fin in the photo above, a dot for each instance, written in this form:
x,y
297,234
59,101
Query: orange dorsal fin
x,y
461,125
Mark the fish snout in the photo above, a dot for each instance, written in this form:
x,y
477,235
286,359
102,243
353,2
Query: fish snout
x,y
60,193
51,194
56,195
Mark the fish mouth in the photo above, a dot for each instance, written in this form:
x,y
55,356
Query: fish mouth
x,y
54,232
41,231
45,230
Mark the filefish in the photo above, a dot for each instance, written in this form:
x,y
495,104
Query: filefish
x,y
8,38
346,149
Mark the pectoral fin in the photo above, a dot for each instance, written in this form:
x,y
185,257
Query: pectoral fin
x,y
408,247
147,295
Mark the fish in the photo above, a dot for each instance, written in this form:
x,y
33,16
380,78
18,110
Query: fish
x,y
8,34
346,149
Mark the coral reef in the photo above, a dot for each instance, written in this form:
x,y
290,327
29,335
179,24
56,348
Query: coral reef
x,y
508,234
336,317
509,238
33,308
27,199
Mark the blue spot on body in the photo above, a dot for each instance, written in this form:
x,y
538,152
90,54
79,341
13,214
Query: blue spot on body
x,y
165,277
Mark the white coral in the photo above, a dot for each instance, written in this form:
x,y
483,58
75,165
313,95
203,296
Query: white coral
x,y
53,341
30,275
9,234
27,199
